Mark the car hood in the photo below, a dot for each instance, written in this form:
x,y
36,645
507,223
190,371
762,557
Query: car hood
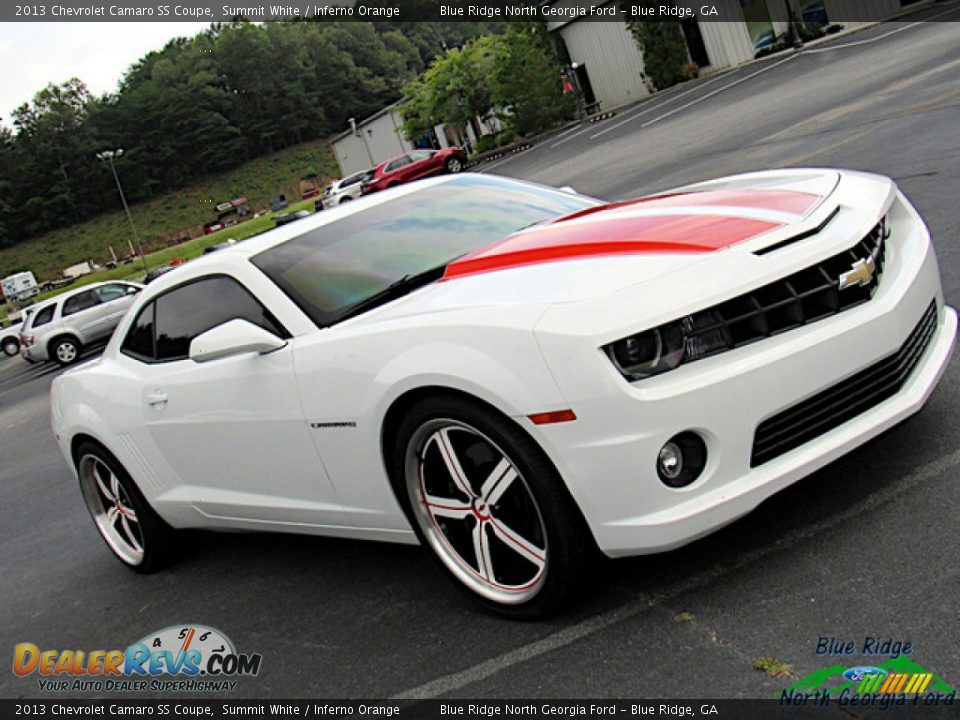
x,y
674,239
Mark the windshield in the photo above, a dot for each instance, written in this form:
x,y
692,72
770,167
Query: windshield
x,y
331,269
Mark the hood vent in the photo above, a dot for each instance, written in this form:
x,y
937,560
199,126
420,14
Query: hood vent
x,y
801,236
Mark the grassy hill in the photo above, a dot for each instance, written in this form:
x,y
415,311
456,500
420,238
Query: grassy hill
x,y
167,215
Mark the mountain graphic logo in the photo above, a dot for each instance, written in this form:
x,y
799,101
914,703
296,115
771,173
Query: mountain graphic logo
x,y
897,675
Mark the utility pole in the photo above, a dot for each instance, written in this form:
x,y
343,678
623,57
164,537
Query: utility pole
x,y
108,156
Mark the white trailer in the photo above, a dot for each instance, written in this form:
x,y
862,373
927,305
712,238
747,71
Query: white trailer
x,y
20,286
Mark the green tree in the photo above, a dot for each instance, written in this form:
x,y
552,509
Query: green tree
x,y
527,88
664,51
455,90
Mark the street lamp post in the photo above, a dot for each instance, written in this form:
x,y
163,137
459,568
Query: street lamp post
x,y
108,156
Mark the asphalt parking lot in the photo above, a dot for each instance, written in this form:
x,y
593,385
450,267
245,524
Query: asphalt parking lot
x,y
869,546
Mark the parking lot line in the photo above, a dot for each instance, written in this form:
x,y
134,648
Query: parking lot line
x,y
669,100
867,41
641,603
719,90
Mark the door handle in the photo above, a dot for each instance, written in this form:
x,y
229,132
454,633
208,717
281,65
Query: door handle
x,y
156,399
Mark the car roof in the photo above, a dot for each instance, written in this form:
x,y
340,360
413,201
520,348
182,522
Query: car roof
x,y
66,295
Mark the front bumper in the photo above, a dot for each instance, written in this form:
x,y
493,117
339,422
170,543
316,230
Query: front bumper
x,y
608,455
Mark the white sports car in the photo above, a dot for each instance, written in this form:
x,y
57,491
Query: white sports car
x,y
514,376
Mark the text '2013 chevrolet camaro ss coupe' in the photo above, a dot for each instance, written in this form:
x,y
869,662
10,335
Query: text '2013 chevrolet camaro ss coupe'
x,y
515,377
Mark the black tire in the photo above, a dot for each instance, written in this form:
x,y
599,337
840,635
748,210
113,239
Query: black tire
x,y
65,350
11,346
535,512
454,165
158,542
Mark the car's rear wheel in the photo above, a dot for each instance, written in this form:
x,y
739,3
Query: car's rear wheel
x,y
65,350
490,506
135,534
454,165
11,346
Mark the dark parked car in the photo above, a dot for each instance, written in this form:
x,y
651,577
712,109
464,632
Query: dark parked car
x,y
284,218
156,272
414,165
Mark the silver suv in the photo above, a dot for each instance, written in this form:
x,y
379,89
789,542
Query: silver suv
x,y
60,329
345,190
10,335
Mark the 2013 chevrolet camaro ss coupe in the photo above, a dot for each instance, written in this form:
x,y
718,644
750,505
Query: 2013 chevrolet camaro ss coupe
x,y
513,376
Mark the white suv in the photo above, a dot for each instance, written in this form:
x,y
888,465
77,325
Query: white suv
x,y
345,190
61,328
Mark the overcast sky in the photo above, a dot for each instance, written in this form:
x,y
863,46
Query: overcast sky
x,y
32,55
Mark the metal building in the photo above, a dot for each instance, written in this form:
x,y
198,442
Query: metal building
x,y
377,138
609,65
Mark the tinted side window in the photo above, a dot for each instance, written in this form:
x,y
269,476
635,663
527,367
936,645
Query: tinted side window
x,y
398,163
139,340
79,302
192,309
43,316
421,155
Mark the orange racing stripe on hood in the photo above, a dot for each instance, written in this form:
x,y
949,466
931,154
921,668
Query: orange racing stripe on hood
x,y
789,201
617,235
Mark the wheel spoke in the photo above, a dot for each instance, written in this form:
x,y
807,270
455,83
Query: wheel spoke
x,y
114,485
481,546
497,483
452,462
128,531
102,485
129,513
112,515
446,507
518,544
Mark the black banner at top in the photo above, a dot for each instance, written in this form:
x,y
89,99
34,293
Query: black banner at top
x,y
555,12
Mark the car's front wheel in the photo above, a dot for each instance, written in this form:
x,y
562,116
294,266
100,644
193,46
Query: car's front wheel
x,y
454,165
11,347
491,507
65,350
135,534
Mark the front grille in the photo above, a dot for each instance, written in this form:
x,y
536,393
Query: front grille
x,y
839,403
803,297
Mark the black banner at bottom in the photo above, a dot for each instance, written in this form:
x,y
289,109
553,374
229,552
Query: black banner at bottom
x,y
477,709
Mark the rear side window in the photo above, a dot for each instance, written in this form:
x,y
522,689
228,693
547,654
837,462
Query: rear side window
x,y
114,291
43,316
397,164
82,301
163,329
139,340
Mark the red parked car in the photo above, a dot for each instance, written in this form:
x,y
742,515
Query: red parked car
x,y
414,165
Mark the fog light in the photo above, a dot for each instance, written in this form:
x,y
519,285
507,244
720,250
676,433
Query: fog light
x,y
681,459
670,461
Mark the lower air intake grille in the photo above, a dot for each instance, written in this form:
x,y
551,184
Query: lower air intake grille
x,y
844,401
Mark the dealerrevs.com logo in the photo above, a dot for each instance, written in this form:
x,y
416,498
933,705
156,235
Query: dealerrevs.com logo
x,y
182,658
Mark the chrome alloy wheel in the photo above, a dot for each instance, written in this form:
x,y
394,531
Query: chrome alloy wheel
x,y
476,511
66,352
454,165
112,511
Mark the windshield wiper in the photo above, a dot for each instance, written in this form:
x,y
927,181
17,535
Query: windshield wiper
x,y
397,288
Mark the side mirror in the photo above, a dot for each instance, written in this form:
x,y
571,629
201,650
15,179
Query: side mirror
x,y
234,337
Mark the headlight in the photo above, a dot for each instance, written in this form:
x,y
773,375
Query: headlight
x,y
648,353
655,351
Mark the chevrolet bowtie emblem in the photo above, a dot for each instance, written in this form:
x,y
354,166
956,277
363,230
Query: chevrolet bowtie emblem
x,y
861,274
